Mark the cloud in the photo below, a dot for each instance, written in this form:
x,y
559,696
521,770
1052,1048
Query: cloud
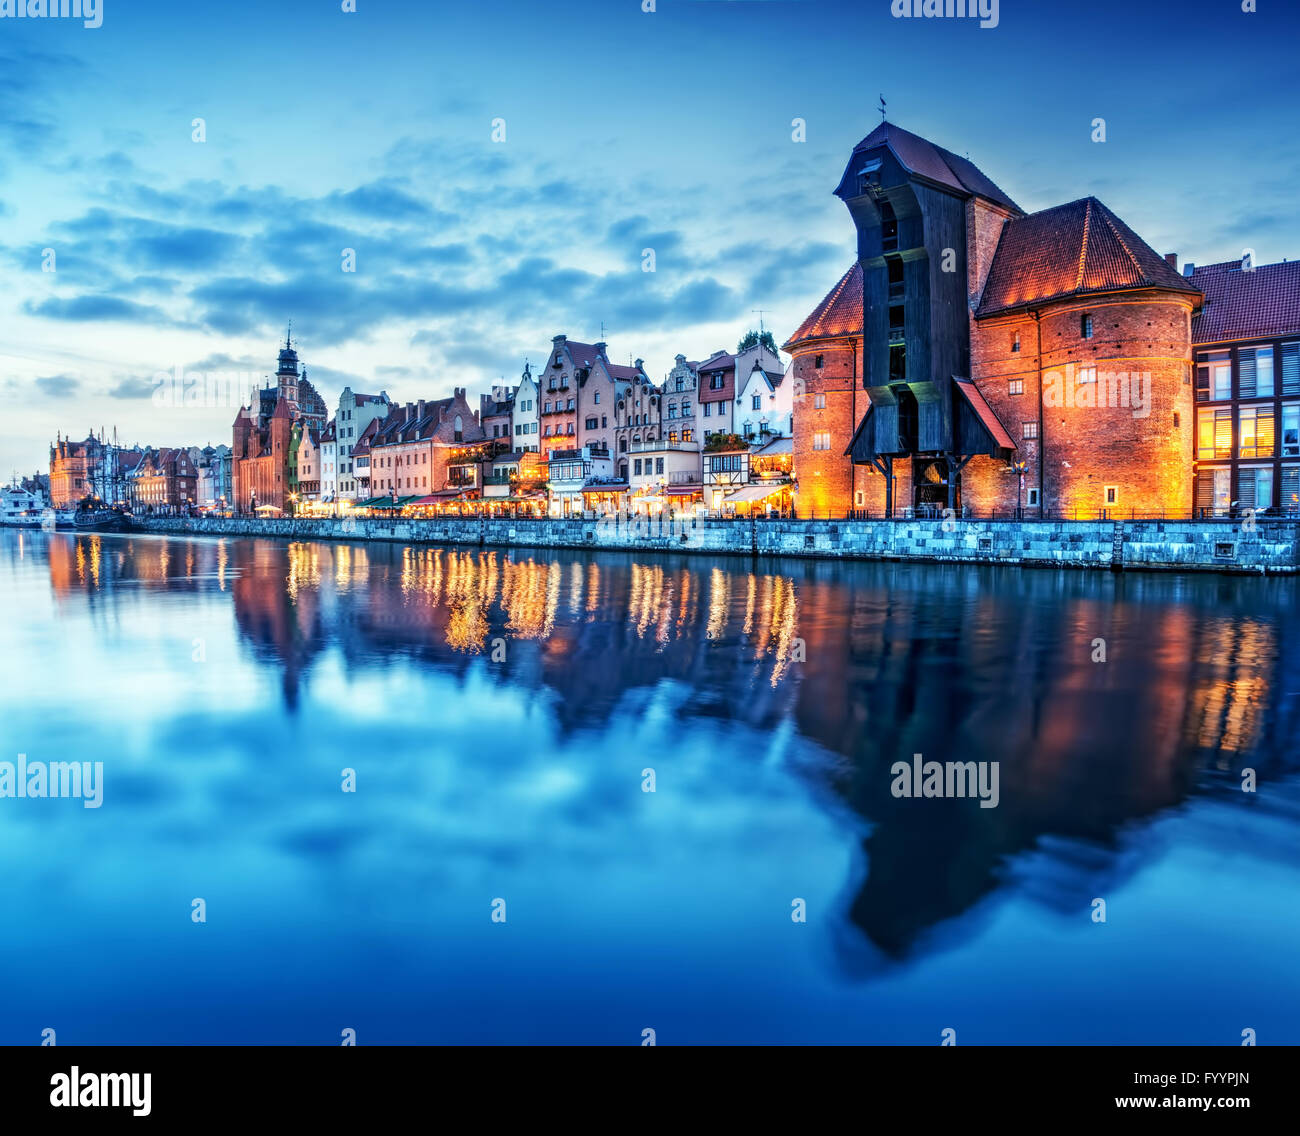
x,y
58,386
132,386
91,309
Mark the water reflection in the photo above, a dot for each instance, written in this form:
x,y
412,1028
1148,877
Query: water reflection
x,y
863,664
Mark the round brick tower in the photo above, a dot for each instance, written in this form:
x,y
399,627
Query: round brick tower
x,y
828,401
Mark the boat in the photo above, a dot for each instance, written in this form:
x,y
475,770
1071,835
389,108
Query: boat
x,y
20,508
94,515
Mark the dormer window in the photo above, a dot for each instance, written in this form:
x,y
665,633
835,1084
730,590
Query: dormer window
x,y
869,176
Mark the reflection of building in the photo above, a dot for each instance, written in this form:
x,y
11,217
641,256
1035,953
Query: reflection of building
x,y
1247,343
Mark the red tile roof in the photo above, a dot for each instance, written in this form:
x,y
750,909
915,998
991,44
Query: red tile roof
x,y
1071,250
583,354
839,314
719,362
922,157
1247,305
984,412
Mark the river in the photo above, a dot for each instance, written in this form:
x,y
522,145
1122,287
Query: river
x,y
500,870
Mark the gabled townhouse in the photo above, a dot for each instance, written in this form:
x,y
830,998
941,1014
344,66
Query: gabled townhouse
x,y
637,421
328,459
598,395
165,481
355,412
680,404
309,468
578,390
410,449
525,417
496,414
764,407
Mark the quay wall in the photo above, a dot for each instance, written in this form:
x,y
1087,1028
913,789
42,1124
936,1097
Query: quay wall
x,y
1260,546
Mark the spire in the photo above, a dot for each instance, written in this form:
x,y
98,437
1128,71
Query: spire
x,y
288,337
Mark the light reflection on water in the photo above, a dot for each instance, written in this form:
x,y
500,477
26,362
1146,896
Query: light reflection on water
x,y
500,708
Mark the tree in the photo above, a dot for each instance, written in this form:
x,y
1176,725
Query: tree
x,y
752,337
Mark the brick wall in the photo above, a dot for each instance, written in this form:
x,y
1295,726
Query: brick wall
x,y
1144,450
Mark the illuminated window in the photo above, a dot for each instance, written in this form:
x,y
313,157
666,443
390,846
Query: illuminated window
x,y
1029,430
819,402
822,440
1016,386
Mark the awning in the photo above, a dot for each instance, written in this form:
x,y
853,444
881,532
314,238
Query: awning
x,y
684,490
754,493
616,487
984,413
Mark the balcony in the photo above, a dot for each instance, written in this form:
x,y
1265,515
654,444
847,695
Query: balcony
x,y
651,447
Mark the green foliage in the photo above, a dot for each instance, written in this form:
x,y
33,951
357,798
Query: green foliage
x,y
752,337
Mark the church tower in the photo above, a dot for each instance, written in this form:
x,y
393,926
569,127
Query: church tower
x,y
286,374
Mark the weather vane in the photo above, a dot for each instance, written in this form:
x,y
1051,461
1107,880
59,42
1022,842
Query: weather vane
x,y
882,108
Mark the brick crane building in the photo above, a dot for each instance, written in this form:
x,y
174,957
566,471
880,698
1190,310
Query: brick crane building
x,y
1007,359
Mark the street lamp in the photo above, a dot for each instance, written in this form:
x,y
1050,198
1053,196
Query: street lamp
x,y
1019,468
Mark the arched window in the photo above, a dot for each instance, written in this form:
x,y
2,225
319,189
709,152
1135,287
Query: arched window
x,y
460,429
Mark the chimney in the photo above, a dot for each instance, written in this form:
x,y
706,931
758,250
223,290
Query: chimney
x,y
1188,268
1171,259
421,405
559,338
458,392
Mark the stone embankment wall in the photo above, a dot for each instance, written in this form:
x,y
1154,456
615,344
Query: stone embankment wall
x,y
1216,545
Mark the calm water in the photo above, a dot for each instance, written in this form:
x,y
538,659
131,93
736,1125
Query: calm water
x,y
226,684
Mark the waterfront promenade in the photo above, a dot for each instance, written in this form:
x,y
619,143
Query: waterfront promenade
x,y
1257,547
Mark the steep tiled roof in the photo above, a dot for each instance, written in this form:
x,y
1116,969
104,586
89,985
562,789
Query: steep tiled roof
x,y
1247,305
719,362
617,371
1072,250
839,313
583,354
922,157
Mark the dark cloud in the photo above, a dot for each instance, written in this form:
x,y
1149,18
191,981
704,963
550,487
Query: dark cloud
x,y
90,309
132,386
58,386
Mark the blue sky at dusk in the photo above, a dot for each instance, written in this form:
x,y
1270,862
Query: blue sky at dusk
x,y
624,130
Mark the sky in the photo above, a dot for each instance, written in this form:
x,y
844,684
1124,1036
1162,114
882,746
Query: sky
x,y
498,168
